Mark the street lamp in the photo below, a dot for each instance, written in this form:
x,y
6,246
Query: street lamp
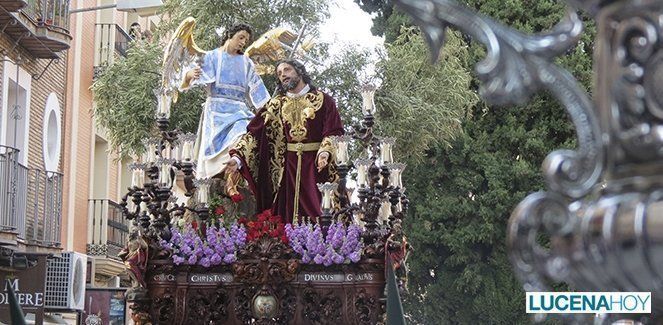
x,y
141,7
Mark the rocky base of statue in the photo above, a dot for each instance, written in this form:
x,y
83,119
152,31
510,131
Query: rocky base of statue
x,y
245,208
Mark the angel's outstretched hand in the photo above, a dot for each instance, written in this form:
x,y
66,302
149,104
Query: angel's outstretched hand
x,y
194,73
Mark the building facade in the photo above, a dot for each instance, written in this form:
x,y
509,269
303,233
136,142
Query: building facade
x,y
94,179
59,182
34,38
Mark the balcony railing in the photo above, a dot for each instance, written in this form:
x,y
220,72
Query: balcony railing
x,y
41,27
13,176
108,231
51,13
12,6
111,41
30,201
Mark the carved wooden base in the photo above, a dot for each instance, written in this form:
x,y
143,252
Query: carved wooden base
x,y
309,294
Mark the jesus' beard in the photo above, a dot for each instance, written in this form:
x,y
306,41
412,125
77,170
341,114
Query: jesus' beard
x,y
291,84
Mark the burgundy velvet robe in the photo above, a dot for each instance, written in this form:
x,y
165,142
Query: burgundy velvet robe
x,y
271,170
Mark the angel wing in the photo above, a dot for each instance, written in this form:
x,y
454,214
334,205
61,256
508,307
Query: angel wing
x,y
275,45
180,54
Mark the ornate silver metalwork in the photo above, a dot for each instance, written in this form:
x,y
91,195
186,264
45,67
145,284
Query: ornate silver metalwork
x,y
602,202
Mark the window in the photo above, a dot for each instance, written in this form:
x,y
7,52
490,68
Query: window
x,y
15,113
52,135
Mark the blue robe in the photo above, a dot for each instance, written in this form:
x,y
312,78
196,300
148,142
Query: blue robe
x,y
231,81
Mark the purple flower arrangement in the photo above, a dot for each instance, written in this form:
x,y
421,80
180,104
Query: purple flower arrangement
x,y
341,245
219,246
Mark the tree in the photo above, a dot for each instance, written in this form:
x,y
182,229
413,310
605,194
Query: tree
x,y
387,20
422,105
462,195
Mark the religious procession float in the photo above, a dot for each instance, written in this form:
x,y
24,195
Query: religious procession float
x,y
322,242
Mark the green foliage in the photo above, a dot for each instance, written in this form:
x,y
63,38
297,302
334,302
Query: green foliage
x,y
423,104
463,194
387,20
125,104
340,80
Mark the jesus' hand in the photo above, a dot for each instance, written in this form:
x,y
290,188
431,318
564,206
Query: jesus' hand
x,y
323,160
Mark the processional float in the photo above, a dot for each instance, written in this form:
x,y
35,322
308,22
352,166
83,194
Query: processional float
x,y
603,207
190,268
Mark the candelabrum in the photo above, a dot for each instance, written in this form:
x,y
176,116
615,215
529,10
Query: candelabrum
x,y
150,202
600,209
380,200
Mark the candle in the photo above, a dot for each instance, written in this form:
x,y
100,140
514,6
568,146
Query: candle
x,y
385,149
135,178
342,152
143,206
167,151
203,195
327,189
186,151
362,171
203,190
385,211
177,150
134,175
367,95
187,145
342,149
137,174
164,172
395,172
163,103
150,150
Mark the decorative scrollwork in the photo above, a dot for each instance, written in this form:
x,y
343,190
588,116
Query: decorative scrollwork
x,y
219,310
321,308
516,66
267,260
539,213
287,303
164,306
248,272
366,307
154,268
198,308
266,247
637,114
283,271
277,271
242,302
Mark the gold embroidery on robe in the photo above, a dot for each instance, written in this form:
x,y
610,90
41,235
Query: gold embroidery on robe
x,y
328,145
296,111
275,132
248,148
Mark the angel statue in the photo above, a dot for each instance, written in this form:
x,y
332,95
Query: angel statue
x,y
232,85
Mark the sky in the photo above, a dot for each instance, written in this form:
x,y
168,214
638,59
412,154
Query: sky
x,y
348,24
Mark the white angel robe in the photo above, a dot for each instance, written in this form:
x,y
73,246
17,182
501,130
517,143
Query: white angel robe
x,y
231,81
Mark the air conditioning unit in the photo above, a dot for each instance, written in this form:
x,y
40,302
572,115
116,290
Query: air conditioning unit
x,y
65,281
